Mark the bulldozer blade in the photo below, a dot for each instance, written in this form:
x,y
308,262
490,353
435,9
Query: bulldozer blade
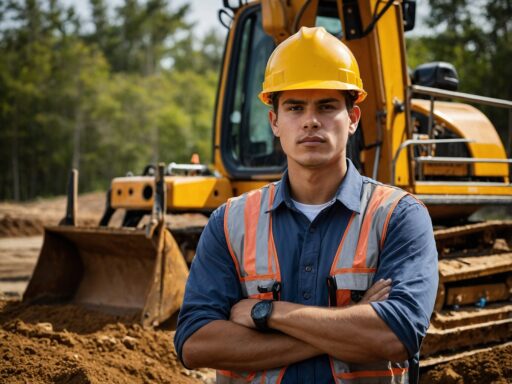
x,y
114,270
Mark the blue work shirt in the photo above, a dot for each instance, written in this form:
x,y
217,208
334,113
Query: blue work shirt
x,y
306,252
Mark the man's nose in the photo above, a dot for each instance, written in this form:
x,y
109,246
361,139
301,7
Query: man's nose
x,y
311,121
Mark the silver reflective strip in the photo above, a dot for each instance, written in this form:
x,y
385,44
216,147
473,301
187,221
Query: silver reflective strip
x,y
354,281
366,195
272,376
379,221
339,366
250,287
346,259
236,229
381,214
262,267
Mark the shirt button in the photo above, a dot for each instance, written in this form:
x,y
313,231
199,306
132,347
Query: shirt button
x,y
308,268
312,229
307,295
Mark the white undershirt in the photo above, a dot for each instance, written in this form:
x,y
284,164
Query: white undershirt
x,y
311,210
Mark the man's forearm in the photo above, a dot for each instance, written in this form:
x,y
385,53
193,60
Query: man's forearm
x,y
229,346
355,334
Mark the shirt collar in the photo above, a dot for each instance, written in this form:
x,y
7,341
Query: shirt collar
x,y
348,192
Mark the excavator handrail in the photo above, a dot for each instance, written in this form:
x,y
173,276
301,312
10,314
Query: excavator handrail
x,y
462,96
411,142
436,92
461,160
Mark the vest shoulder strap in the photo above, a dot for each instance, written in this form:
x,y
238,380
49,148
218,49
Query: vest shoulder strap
x,y
364,237
248,232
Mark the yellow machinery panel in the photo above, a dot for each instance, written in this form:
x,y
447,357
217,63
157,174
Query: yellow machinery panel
x,y
469,123
447,188
183,192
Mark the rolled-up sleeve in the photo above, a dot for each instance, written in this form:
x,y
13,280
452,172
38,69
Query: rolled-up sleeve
x,y
409,258
212,286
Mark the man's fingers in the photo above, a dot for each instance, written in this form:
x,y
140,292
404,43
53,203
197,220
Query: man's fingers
x,y
378,291
379,286
380,295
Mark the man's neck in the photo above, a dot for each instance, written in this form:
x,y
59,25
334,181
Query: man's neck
x,y
315,185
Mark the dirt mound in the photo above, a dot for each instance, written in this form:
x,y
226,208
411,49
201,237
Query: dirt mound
x,y
29,218
69,344
12,226
490,367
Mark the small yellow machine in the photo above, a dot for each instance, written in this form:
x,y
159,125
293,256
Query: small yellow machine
x,y
446,153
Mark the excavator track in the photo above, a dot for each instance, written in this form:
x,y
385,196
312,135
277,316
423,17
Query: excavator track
x,y
473,309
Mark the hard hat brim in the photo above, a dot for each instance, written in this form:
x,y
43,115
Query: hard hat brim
x,y
266,97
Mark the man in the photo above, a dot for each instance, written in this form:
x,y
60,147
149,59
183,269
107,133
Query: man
x,y
325,276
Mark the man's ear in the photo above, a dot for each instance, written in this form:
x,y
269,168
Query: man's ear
x,y
354,115
272,117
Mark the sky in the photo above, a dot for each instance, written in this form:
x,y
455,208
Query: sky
x,y
204,13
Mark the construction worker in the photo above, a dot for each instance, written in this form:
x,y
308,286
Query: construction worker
x,y
325,276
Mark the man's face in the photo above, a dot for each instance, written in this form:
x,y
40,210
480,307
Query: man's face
x,y
314,126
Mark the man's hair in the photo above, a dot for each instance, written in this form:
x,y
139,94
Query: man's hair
x,y
350,99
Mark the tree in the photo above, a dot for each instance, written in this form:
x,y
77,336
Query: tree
x,y
478,44
101,101
142,38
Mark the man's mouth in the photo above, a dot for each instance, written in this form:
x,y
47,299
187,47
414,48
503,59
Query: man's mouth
x,y
311,140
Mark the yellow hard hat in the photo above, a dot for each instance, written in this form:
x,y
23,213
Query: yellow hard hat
x,y
311,59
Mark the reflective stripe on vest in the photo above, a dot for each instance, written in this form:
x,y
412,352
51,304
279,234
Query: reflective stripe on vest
x,y
248,231
353,269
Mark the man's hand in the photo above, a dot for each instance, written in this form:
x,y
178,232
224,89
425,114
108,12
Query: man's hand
x,y
241,313
377,292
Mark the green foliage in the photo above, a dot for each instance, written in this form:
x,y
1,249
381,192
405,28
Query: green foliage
x,y
102,101
477,40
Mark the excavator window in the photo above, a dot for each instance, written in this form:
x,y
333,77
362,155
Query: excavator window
x,y
251,145
331,25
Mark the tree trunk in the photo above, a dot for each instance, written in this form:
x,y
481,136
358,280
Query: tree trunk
x,y
15,162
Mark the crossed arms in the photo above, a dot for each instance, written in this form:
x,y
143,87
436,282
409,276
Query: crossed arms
x,y
355,334
227,338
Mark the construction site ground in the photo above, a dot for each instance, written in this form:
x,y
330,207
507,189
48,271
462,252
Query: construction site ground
x,y
70,344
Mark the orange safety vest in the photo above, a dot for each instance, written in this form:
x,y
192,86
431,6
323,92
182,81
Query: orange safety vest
x,y
248,231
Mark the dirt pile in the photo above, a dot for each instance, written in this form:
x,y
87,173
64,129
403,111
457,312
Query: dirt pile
x,y
14,226
29,218
69,344
491,367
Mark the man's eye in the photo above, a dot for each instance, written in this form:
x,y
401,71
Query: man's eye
x,y
295,108
327,107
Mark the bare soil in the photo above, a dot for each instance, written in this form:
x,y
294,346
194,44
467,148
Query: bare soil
x,y
69,344
491,367
29,219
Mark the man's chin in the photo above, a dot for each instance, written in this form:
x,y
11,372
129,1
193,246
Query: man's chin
x,y
313,163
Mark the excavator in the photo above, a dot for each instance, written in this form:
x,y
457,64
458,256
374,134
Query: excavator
x,y
417,132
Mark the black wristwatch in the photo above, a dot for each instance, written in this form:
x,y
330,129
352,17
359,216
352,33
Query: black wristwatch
x,y
260,314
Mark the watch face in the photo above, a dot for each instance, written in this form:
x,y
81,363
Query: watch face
x,y
261,309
